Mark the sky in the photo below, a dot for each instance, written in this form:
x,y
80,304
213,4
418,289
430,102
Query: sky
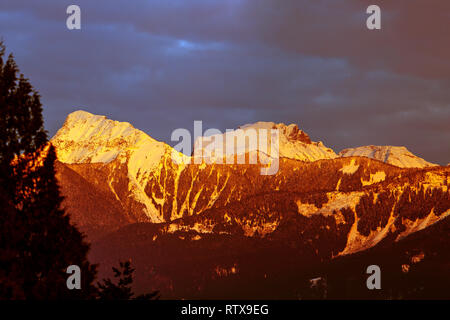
x,y
162,64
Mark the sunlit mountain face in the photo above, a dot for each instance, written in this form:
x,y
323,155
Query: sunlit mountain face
x,y
241,149
213,230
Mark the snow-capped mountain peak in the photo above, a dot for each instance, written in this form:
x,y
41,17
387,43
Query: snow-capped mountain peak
x,y
293,142
290,132
86,138
397,156
89,138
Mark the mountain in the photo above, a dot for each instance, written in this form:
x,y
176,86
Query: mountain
x,y
397,156
292,142
224,266
139,170
123,156
204,230
96,212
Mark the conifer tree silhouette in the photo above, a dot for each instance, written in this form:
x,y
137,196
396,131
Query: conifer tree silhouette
x,y
108,290
37,241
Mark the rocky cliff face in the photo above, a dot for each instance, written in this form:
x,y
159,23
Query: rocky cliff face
x,y
291,142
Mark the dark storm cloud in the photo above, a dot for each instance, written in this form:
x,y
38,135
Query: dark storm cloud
x,y
163,64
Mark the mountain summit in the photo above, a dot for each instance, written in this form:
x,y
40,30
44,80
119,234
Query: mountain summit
x,y
89,138
118,146
397,156
293,142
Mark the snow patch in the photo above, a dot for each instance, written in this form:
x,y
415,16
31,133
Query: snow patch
x,y
350,168
336,202
379,176
420,224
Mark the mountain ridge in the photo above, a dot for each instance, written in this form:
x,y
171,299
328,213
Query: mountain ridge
x,y
396,155
308,211
131,137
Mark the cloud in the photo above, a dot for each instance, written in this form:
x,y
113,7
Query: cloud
x,y
163,64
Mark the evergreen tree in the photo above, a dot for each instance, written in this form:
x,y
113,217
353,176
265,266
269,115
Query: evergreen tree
x,y
108,290
37,241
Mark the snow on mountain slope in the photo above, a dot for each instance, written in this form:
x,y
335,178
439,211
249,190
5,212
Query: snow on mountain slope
x,y
397,156
86,138
293,143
